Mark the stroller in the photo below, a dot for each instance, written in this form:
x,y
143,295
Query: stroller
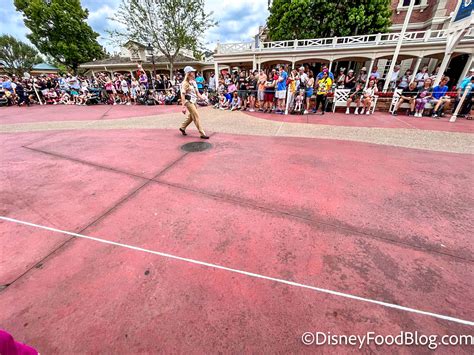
x,y
3,98
95,96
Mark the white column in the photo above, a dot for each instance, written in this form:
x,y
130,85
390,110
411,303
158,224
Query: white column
x,y
216,72
254,63
330,65
467,67
415,69
461,103
442,68
372,62
399,45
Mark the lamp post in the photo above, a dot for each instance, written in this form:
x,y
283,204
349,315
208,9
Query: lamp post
x,y
150,50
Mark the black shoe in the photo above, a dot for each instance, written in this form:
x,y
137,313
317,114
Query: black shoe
x,y
183,132
394,113
204,137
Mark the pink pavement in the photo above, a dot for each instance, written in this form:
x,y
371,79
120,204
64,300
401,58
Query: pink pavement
x,y
381,222
37,113
377,120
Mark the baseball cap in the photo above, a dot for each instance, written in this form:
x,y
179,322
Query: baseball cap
x,y
364,69
188,69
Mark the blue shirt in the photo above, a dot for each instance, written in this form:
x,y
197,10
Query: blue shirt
x,y
281,85
200,81
7,85
439,91
464,84
331,75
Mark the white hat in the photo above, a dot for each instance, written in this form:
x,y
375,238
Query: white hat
x,y
188,69
302,68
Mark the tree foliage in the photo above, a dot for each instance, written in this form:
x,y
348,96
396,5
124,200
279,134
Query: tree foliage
x,y
17,57
300,19
59,29
168,25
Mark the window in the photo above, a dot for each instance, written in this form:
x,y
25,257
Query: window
x,y
407,2
404,4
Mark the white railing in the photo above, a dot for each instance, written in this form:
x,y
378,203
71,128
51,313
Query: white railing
x,y
349,41
235,47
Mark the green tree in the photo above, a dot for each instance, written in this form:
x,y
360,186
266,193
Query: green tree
x,y
17,56
290,19
168,25
59,29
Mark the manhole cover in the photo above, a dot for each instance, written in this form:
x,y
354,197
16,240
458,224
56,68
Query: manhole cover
x,y
196,146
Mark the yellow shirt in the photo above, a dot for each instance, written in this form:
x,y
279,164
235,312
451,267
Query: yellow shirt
x,y
324,85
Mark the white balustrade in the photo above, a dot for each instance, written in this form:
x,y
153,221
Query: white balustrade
x,y
348,41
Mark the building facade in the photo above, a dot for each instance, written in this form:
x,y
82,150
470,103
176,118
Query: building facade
x,y
133,54
424,44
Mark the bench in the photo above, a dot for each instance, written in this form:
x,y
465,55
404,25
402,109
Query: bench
x,y
396,97
342,95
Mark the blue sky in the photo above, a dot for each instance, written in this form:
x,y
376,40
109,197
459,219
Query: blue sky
x,y
238,19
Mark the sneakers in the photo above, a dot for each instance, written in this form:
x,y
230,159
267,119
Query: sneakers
x,y
356,112
394,113
305,112
362,112
347,112
204,137
367,112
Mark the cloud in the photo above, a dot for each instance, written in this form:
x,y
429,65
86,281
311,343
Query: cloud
x,y
238,20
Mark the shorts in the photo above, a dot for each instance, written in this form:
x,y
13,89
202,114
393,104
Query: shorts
x,y
280,94
261,95
125,91
309,92
243,94
268,96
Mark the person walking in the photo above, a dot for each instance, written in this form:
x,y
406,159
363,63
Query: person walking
x,y
189,96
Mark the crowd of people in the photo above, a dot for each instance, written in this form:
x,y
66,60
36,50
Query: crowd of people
x,y
279,90
276,90
105,88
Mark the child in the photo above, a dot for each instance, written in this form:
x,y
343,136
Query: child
x,y
424,96
299,102
65,99
236,103
223,102
368,95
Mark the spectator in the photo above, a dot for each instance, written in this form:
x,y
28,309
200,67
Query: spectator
x,y
362,77
200,82
341,79
423,97
212,83
408,94
405,80
280,93
354,96
375,75
236,103
309,91
395,77
269,94
368,96
350,80
467,105
421,76
321,74
439,97
252,89
323,87
262,79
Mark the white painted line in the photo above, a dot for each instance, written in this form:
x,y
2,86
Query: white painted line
x,y
279,128
251,274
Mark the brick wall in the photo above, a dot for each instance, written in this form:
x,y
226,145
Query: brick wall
x,y
446,7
